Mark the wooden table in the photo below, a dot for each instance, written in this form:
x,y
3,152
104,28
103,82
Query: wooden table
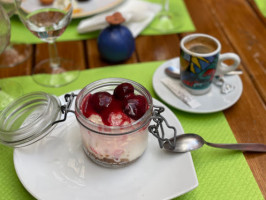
x,y
239,26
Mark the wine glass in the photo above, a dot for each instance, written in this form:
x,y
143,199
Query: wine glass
x,y
5,30
165,20
9,90
14,54
48,22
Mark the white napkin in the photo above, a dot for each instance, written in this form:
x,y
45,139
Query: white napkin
x,y
138,14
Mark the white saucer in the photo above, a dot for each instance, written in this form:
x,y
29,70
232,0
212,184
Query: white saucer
x,y
57,168
213,101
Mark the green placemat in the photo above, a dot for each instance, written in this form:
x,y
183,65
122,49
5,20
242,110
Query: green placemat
x,y
222,174
20,34
262,6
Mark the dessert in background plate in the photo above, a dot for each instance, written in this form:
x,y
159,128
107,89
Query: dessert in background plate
x,y
46,2
60,3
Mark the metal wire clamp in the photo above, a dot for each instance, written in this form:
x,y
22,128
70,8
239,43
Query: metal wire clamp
x,y
158,128
65,109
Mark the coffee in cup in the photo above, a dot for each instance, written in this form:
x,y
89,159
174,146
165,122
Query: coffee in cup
x,y
201,45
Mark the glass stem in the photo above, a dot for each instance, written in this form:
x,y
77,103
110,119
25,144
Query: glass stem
x,y
165,4
54,60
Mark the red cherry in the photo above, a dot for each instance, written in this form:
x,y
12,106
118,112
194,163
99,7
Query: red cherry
x,y
86,107
100,101
122,90
135,106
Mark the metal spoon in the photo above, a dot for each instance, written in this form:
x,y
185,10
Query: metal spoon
x,y
174,72
189,142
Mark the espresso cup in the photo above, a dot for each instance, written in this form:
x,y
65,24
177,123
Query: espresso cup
x,y
201,60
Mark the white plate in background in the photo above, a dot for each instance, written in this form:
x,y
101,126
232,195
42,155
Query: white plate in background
x,y
81,8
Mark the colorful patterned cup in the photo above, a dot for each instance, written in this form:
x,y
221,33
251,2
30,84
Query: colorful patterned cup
x,y
201,60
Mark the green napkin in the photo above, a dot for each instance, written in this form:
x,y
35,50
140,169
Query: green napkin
x,y
221,174
20,34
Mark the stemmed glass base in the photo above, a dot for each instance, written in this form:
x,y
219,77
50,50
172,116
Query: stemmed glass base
x,y
9,91
51,75
166,21
15,55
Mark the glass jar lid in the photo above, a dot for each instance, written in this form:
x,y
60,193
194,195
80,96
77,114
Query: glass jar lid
x,y
28,119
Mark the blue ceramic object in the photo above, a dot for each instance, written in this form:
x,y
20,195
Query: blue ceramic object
x,y
116,43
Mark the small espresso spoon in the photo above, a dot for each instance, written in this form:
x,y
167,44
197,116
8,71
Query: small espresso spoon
x,y
174,72
189,142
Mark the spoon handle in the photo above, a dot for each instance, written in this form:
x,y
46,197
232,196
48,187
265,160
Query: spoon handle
x,y
254,147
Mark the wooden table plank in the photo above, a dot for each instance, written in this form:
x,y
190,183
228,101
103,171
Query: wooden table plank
x,y
95,60
257,11
161,47
73,50
148,48
247,116
247,34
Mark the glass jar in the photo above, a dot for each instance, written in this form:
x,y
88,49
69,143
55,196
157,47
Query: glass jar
x,y
28,119
113,146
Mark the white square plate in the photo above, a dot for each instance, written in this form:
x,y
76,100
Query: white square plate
x,y
57,168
